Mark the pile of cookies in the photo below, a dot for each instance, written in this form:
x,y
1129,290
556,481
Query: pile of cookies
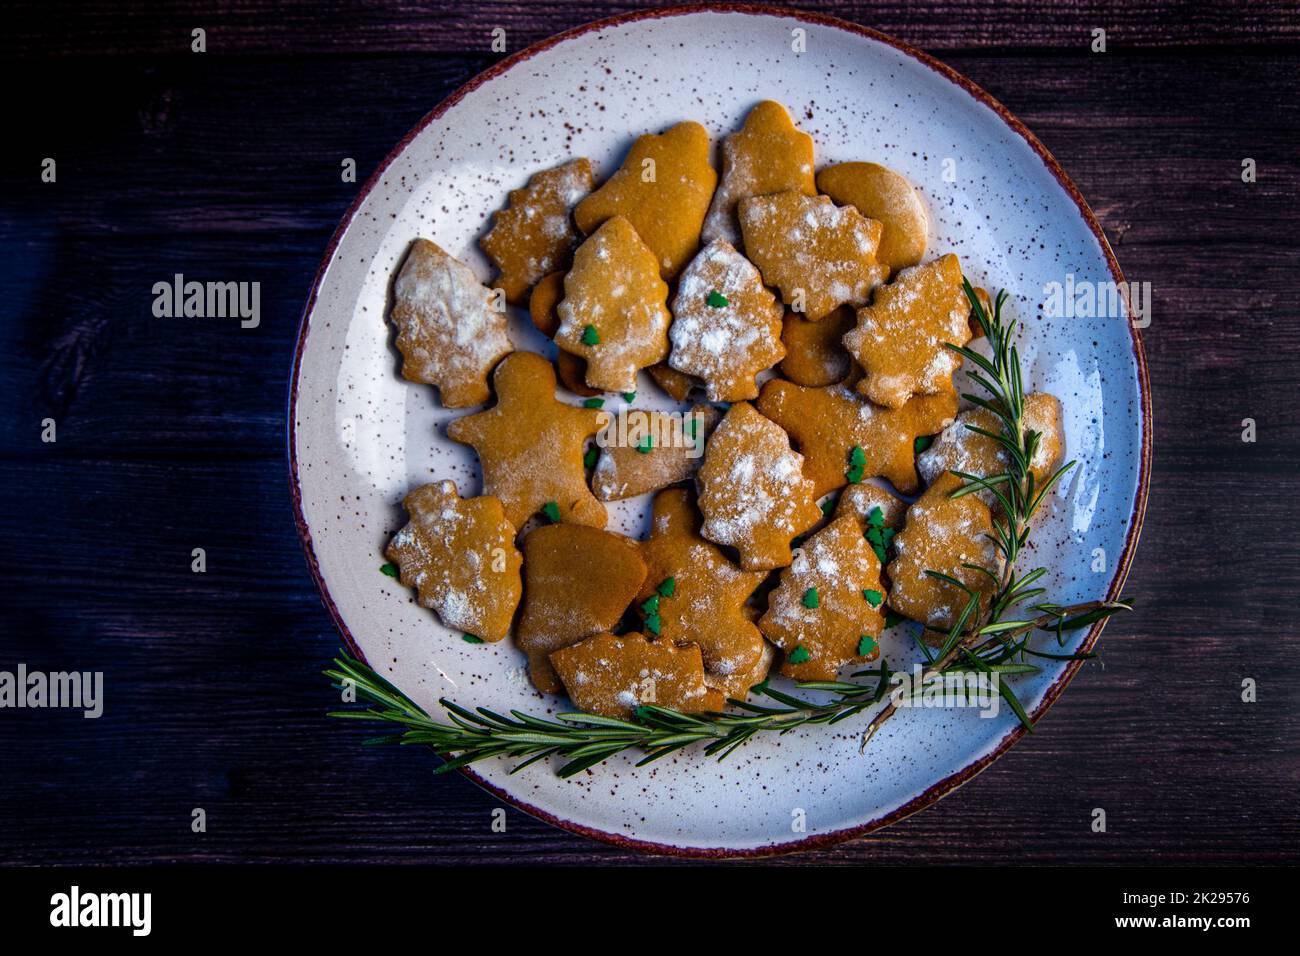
x,y
796,300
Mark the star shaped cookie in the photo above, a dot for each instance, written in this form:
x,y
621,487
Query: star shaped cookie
x,y
753,493
827,424
447,331
693,592
531,446
460,556
726,325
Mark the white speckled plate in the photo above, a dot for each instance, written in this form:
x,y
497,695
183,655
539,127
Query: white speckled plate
x,y
360,436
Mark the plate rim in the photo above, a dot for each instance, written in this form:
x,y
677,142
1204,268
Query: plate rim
x,y
958,777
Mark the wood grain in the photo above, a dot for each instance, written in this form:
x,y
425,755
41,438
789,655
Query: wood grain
x,y
171,436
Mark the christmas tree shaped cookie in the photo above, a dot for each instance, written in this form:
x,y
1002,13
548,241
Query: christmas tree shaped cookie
x,y
820,255
614,313
447,331
460,556
753,494
535,234
900,339
726,325
531,446
767,155
826,611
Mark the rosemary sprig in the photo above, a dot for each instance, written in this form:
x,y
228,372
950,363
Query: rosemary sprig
x,y
983,638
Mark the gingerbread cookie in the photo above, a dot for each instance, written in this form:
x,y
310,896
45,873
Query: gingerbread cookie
x,y
653,451
613,675
614,313
447,331
693,592
460,556
942,534
531,446
872,505
753,494
676,384
900,339
844,438
814,352
534,235
959,448
820,255
737,685
768,155
820,615
726,325
541,308
881,194
663,189
578,581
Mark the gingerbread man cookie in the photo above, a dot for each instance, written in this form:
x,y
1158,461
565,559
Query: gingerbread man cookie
x,y
844,438
613,675
814,351
535,235
614,313
881,194
447,331
578,581
653,451
821,615
693,592
901,338
960,449
460,556
531,446
663,189
726,325
541,308
753,494
942,534
820,255
768,155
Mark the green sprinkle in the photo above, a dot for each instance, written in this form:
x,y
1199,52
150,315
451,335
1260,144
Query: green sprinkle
x,y
873,597
667,587
471,639
589,459
857,456
552,511
876,536
593,403
886,536
880,553
876,518
922,443
693,426
892,618
389,569
828,506
810,598
590,336
650,606
652,623
867,646
799,655
717,299
854,473
645,444
629,397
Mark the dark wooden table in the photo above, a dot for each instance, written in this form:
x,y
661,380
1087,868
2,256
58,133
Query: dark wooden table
x,y
171,432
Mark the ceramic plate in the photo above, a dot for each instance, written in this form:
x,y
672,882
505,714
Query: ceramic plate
x,y
361,437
